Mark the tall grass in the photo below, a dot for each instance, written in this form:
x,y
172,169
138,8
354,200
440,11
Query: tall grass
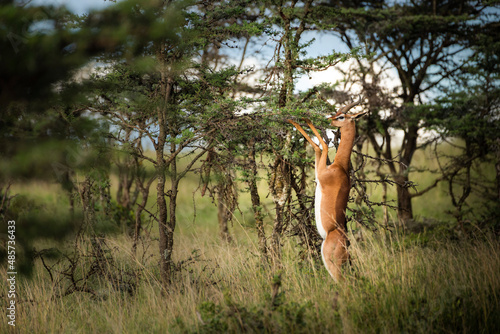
x,y
392,286
396,283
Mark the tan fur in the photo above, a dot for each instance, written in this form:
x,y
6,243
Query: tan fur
x,y
335,187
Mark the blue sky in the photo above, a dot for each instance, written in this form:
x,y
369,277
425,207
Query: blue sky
x,y
77,6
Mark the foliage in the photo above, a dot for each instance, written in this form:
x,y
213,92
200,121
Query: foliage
x,y
419,48
114,125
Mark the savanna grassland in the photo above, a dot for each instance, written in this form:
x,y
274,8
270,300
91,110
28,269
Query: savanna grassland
x,y
436,281
115,120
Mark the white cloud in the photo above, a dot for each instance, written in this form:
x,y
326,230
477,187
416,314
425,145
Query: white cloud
x,y
335,75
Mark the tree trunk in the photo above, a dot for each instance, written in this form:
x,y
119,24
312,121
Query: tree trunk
x,y
256,205
280,190
138,212
137,228
87,200
409,146
405,210
162,225
223,214
161,169
173,209
307,232
278,229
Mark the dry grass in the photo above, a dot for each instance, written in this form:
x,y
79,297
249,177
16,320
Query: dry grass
x,y
392,286
396,283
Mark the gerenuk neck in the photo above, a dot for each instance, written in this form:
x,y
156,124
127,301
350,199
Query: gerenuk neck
x,y
343,155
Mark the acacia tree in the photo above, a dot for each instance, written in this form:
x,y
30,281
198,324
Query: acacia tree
x,y
288,21
485,73
163,89
422,41
469,112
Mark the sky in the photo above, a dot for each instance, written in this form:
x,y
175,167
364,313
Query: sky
x,y
324,44
77,6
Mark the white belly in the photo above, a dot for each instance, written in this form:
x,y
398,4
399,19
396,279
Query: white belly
x,y
317,210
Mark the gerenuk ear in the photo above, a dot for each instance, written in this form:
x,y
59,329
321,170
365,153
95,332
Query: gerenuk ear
x,y
359,115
